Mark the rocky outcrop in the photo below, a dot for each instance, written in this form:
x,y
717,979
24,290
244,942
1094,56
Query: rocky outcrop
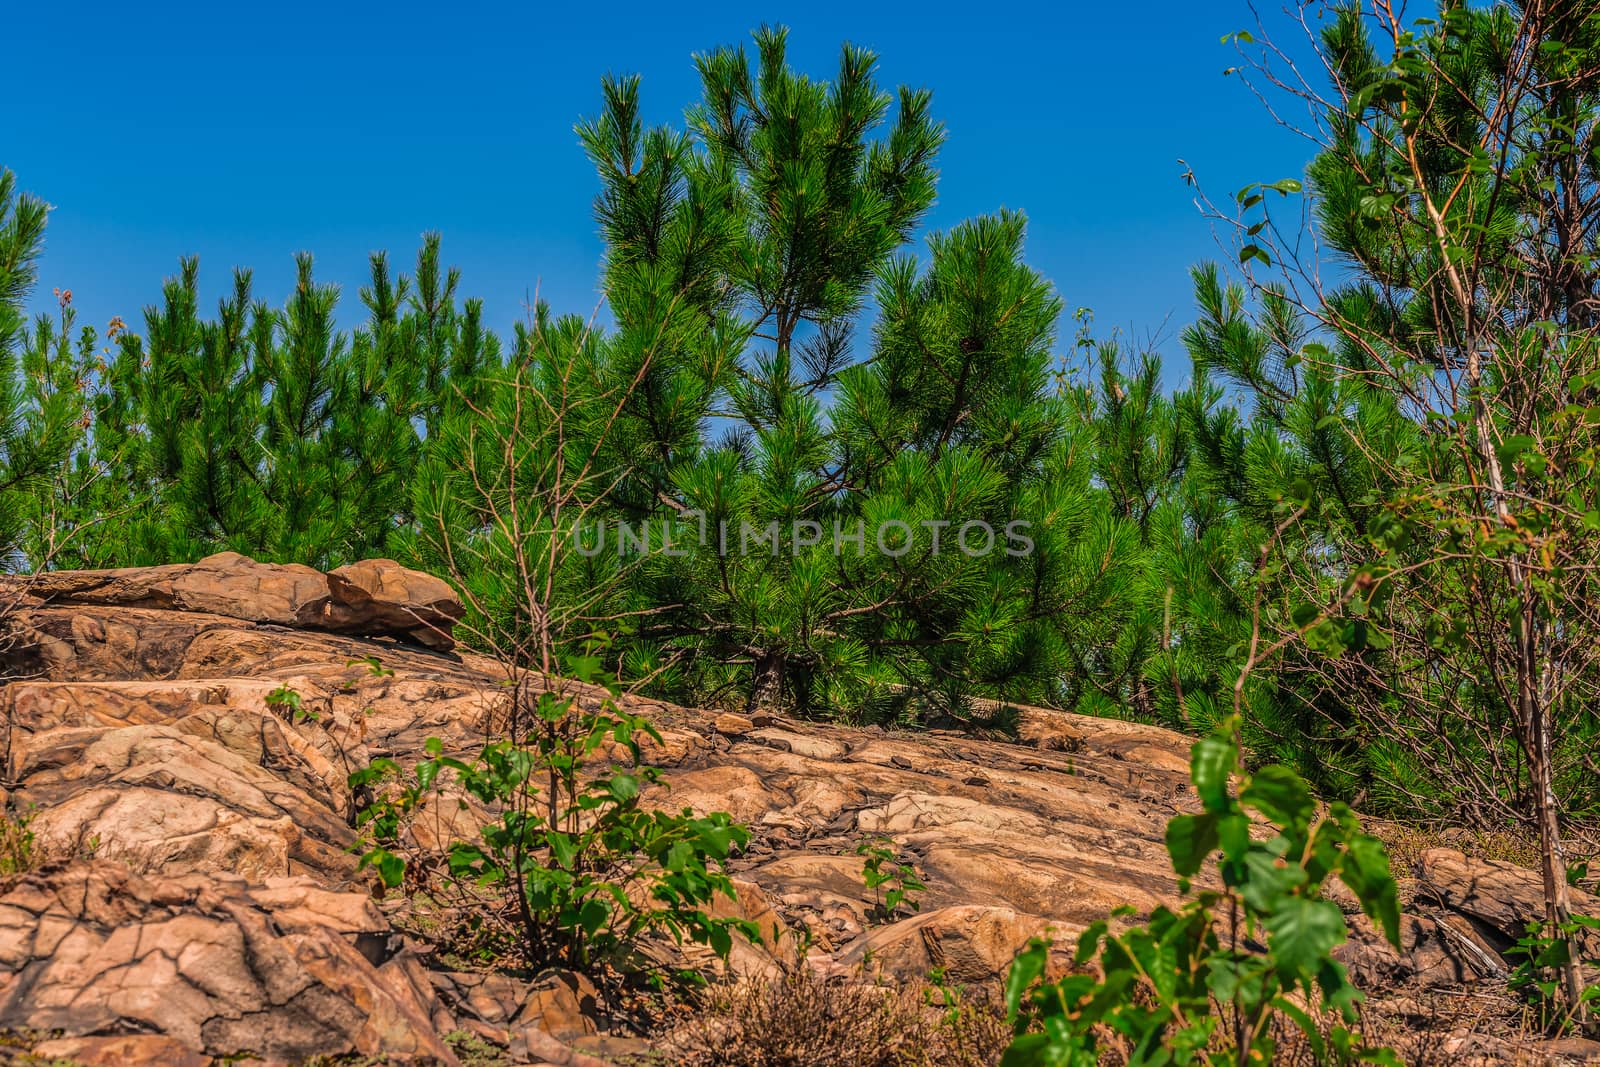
x,y
219,966
372,598
203,898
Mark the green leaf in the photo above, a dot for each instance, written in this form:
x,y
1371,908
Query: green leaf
x,y
391,868
1301,933
1025,971
1278,793
1212,761
563,849
1190,840
593,915
1366,872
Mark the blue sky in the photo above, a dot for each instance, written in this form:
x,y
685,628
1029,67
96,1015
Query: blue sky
x,y
246,132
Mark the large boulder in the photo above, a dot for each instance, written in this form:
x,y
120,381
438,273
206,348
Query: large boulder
x,y
378,596
1500,899
373,598
281,969
224,584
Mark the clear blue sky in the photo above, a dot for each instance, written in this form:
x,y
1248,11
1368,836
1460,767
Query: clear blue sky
x,y
244,132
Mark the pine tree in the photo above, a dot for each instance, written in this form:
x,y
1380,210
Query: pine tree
x,y
1429,422
762,226
40,405
272,432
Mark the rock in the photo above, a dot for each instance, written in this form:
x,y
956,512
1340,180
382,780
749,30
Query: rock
x,y
1500,898
1433,954
492,999
373,598
378,596
563,1004
93,947
224,584
1569,1049
1048,730
774,950
970,946
807,745
162,799
126,1050
731,725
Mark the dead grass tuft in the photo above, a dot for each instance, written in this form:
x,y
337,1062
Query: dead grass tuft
x,y
802,1020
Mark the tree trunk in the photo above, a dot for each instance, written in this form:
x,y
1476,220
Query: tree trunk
x,y
767,686
1534,713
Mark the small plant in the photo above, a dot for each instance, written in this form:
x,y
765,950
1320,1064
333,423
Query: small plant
x,y
18,853
374,666
893,883
288,703
1542,956
583,868
1210,982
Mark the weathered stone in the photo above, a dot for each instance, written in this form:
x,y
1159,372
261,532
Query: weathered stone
x,y
204,961
124,1050
1500,898
969,945
731,725
563,1004
164,800
1433,954
372,598
378,596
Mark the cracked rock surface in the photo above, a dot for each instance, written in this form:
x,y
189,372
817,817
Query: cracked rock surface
x,y
203,899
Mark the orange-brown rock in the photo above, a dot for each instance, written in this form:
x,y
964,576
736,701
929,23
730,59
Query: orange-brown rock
x,y
210,904
1498,899
373,598
209,962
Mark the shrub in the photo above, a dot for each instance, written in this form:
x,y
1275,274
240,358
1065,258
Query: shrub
x,y
1217,980
583,868
1541,953
18,853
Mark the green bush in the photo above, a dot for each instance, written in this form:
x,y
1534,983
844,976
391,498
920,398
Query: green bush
x,y
1207,982
584,868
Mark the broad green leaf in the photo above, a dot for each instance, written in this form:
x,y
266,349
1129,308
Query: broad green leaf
x,y
1212,761
1190,840
1301,933
1279,793
1025,970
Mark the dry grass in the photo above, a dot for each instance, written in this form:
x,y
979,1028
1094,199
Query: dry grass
x,y
804,1020
1405,844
